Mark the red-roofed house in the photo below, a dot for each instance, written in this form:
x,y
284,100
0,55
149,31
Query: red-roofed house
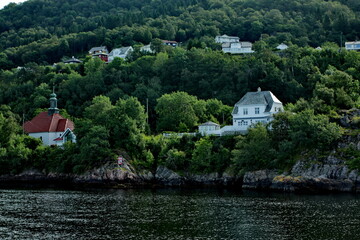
x,y
50,126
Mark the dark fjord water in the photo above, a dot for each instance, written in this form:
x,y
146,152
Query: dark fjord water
x,y
176,214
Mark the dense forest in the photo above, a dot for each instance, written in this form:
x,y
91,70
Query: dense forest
x,y
107,101
44,31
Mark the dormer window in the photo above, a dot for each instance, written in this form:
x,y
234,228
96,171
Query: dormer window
x,y
245,111
257,110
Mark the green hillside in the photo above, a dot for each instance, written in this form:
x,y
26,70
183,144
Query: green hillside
x,y
43,31
107,101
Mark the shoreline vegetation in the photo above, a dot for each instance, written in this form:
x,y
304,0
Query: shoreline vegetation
x,y
122,108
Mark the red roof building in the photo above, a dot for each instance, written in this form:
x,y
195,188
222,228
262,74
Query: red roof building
x,y
44,122
51,127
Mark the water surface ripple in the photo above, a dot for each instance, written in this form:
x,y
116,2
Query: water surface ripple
x,y
176,214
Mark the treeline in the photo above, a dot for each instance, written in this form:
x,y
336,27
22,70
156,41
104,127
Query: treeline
x,y
108,102
45,31
108,130
326,79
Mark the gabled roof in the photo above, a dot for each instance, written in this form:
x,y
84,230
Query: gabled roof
x,y
209,123
121,51
44,122
260,97
98,49
72,60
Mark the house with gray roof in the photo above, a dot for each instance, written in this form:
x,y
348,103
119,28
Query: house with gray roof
x,y
252,108
237,47
226,39
100,52
120,52
233,45
255,107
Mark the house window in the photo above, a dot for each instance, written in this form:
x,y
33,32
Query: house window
x,y
257,110
245,111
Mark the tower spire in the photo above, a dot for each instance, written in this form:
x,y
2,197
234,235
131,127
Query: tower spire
x,y
53,103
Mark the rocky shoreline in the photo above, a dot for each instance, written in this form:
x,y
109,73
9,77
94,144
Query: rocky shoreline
x,y
312,174
304,178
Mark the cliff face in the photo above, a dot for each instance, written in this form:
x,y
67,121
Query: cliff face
x,y
314,174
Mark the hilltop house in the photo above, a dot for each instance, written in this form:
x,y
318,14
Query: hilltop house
x,y
282,46
230,44
352,45
120,52
170,43
252,108
50,126
237,47
147,48
72,60
226,39
100,52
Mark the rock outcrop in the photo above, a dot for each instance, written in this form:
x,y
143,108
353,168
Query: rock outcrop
x,y
314,174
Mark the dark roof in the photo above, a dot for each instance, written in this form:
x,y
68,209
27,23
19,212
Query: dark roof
x,y
98,49
260,97
73,60
44,122
168,41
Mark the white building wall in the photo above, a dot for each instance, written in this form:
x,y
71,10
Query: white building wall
x,y
47,137
243,122
226,39
236,50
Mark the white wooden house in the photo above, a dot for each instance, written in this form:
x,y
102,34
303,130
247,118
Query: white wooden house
x,y
255,107
237,47
233,45
226,39
252,108
120,53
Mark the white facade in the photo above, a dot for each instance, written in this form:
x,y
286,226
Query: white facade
x,y
120,52
47,137
226,39
209,128
237,47
54,138
252,108
352,45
